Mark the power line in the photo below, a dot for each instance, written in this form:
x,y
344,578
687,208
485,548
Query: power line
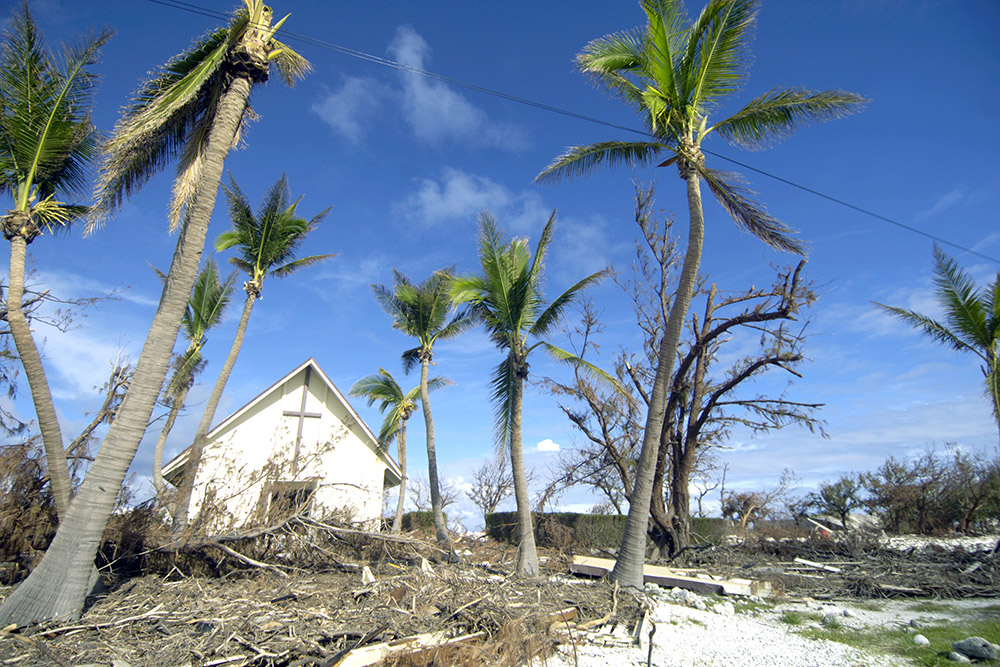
x,y
387,62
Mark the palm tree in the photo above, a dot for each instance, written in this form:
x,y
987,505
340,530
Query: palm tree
x,y
47,141
674,74
192,109
397,408
266,242
421,311
507,298
971,319
207,305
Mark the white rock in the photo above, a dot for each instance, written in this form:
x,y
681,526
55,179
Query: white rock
x,y
849,613
954,656
920,640
699,604
725,608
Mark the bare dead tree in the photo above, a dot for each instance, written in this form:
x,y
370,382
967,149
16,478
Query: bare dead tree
x,y
752,506
492,483
704,404
420,494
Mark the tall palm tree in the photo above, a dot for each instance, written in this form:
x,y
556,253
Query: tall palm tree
x,y
507,298
421,311
674,73
397,408
47,141
206,306
266,243
971,319
192,108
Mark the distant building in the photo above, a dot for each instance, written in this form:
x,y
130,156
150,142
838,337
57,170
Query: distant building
x,y
299,446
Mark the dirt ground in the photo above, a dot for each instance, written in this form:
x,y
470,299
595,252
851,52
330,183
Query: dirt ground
x,y
290,615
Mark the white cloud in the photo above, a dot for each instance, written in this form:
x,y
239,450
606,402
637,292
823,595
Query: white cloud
x,y
548,445
350,109
458,195
436,112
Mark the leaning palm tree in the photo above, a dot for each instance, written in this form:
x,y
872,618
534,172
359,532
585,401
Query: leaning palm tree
x,y
421,311
507,298
192,109
206,306
397,408
674,74
266,242
971,319
47,142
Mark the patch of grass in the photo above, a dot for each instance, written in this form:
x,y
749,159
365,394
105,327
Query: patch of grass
x,y
792,617
930,606
900,643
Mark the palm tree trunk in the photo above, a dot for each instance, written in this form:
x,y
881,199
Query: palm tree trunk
x,y
48,422
397,521
631,556
161,488
527,555
57,587
180,513
440,528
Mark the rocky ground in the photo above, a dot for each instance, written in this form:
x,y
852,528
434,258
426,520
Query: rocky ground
x,y
287,616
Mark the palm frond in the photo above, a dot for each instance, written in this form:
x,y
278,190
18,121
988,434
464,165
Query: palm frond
x,y
582,160
929,327
411,359
295,265
748,214
592,371
966,311
551,315
716,58
778,113
502,390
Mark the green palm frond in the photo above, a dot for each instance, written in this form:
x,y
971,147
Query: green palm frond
x,y
582,160
267,240
588,369
551,316
717,51
929,327
501,393
778,113
47,139
397,407
748,214
967,312
422,311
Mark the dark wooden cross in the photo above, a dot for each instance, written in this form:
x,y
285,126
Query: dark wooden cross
x,y
301,414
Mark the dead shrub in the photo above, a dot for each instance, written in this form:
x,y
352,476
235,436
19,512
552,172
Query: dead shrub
x,y
27,510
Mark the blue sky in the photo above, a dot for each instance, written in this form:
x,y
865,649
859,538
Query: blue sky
x,y
408,162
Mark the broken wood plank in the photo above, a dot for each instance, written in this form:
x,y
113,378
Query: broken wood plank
x,y
663,576
414,645
818,566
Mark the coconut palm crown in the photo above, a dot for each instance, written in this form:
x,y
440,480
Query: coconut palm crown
x,y
171,114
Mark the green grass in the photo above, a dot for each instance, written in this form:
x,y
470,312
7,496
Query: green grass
x,y
930,606
900,643
792,617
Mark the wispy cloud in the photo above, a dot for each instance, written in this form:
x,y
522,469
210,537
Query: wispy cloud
x,y
350,109
436,112
943,203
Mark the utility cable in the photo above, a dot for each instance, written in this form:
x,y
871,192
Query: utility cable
x,y
379,60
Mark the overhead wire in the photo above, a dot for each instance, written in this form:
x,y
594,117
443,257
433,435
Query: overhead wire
x,y
387,62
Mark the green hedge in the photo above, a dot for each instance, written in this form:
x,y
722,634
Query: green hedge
x,y
562,530
420,521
